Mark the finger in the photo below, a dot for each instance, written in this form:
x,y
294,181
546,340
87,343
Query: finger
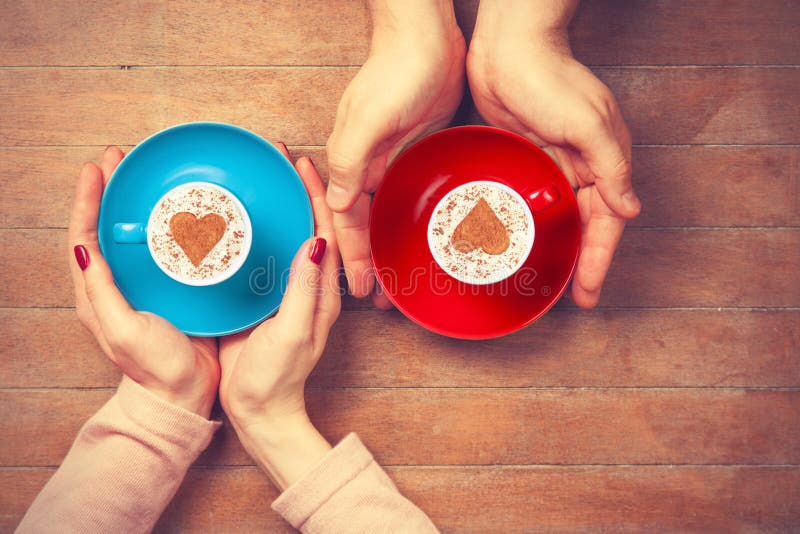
x,y
379,298
115,316
303,291
330,300
323,216
283,150
605,148
83,229
350,150
601,236
566,161
352,232
111,158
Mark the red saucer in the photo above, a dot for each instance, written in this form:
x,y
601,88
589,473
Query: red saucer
x,y
402,207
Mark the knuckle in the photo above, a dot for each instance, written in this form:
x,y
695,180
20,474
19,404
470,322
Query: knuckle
x,y
600,119
341,166
623,169
294,340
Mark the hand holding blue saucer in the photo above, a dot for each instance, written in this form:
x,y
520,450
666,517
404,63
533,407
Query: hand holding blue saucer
x,y
251,169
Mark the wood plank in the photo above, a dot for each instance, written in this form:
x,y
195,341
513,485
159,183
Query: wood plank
x,y
705,267
433,426
604,32
705,32
122,107
185,32
653,268
708,105
495,499
566,348
103,106
716,184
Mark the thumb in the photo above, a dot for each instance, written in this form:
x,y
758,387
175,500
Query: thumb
x,y
351,148
299,304
606,151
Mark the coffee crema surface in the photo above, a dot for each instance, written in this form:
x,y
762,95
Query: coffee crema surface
x,y
480,233
197,232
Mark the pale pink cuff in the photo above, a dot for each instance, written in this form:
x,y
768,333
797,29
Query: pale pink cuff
x,y
165,420
340,466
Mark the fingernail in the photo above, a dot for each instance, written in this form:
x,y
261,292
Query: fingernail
x,y
317,250
107,147
631,201
82,256
283,145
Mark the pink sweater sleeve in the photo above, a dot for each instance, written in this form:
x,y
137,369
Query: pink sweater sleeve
x,y
348,492
124,467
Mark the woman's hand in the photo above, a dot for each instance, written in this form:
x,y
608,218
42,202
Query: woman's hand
x,y
147,348
264,370
410,85
523,78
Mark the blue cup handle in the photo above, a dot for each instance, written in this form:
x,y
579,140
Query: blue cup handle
x,y
133,233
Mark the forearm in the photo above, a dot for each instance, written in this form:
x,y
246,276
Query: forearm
x,y
418,22
542,22
124,467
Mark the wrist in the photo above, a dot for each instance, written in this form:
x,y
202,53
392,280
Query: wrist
x,y
196,399
285,448
542,25
414,23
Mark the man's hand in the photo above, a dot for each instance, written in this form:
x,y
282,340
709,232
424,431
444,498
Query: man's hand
x,y
410,85
523,78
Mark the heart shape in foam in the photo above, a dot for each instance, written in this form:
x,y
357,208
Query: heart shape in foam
x,y
197,237
481,228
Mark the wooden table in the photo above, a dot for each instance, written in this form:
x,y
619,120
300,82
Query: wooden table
x,y
673,406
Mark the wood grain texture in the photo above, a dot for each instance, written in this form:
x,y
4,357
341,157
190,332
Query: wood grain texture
x,y
113,106
566,348
669,32
184,32
432,426
652,268
497,499
657,412
679,186
603,32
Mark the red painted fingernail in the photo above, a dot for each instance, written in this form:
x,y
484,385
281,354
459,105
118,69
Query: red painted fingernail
x,y
283,145
82,257
317,250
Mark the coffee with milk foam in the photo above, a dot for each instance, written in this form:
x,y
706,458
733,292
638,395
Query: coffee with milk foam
x,y
197,232
481,232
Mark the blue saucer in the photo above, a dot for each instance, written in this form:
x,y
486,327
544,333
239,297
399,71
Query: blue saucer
x,y
247,166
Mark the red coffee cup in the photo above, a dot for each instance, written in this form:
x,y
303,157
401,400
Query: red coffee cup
x,y
412,276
